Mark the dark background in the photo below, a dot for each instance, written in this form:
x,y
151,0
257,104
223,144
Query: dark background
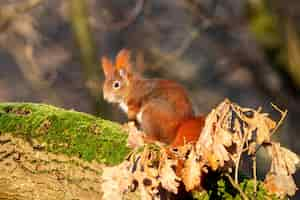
x,y
244,50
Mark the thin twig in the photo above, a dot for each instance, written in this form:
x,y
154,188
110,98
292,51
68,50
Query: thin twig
x,y
134,13
237,187
254,173
239,153
236,169
283,116
186,43
177,53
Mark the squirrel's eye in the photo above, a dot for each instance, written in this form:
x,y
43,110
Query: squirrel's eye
x,y
116,84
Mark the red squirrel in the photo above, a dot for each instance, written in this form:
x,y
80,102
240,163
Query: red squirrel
x,y
161,107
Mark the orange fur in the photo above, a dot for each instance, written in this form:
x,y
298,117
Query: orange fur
x,y
107,66
161,107
189,131
123,60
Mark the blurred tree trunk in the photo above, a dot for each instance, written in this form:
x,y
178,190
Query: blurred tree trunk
x,y
86,46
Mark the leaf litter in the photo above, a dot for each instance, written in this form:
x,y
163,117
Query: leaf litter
x,y
230,131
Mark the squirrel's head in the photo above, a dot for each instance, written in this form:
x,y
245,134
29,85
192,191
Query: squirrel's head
x,y
117,77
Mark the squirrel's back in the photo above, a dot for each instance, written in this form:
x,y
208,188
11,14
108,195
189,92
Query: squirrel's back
x,y
175,94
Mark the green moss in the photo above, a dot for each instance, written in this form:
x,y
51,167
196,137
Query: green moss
x,y
62,131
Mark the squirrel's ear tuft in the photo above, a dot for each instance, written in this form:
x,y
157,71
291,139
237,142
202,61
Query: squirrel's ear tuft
x,y
123,60
107,66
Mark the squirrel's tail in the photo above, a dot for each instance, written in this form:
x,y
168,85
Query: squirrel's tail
x,y
189,131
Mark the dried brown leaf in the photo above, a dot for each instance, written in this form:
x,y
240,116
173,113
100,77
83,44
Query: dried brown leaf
x,y
224,137
213,140
279,180
169,180
291,160
191,173
264,126
252,148
147,185
280,185
144,173
252,121
284,161
229,131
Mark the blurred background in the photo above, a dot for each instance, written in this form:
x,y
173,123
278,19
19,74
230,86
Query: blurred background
x,y
244,50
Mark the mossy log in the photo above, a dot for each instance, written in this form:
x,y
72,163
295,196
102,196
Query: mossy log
x,y
52,153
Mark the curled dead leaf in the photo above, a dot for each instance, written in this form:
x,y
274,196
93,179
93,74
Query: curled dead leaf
x,y
284,161
212,143
280,185
169,180
191,173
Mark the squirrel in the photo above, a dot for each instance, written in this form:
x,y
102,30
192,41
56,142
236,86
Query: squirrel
x,y
160,107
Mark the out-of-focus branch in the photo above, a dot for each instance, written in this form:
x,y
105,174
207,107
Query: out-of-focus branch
x,y
10,12
177,53
293,51
207,15
19,37
132,15
16,20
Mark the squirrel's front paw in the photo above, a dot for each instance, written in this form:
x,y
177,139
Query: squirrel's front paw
x,y
135,136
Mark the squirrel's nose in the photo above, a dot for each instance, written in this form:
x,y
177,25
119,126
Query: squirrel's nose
x,y
108,97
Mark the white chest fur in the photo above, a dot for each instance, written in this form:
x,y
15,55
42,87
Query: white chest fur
x,y
139,116
124,107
